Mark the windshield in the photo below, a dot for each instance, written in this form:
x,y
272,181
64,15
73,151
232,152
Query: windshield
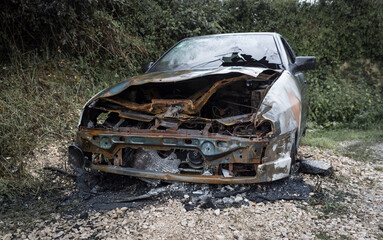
x,y
225,50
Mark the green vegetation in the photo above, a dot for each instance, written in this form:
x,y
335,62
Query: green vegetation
x,y
351,142
330,207
56,54
332,138
323,235
40,103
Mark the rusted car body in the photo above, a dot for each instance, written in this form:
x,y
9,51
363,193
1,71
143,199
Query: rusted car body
x,y
232,119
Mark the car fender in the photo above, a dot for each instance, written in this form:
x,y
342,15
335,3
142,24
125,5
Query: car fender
x,y
282,106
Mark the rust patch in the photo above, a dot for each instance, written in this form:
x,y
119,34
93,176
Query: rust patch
x,y
177,177
189,106
296,105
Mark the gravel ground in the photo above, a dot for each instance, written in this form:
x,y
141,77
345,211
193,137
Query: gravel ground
x,y
346,205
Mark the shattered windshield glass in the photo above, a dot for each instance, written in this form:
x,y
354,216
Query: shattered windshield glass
x,y
227,50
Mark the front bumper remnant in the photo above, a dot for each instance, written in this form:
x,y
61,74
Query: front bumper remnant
x,y
217,150
265,173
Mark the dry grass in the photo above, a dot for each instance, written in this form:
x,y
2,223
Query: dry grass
x,y
40,103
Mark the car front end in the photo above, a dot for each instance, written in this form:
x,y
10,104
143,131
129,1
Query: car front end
x,y
220,126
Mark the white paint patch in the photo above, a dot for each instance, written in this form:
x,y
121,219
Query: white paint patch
x,y
275,147
283,163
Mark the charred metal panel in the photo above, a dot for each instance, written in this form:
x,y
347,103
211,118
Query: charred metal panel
x,y
215,148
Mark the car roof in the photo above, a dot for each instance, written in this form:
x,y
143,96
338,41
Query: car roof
x,y
236,34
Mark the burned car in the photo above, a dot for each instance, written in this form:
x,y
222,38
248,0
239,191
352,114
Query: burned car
x,y
217,109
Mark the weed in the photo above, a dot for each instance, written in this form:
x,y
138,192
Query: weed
x,y
344,237
331,207
323,235
340,178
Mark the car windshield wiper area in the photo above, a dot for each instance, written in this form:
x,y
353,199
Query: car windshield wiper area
x,y
238,59
241,59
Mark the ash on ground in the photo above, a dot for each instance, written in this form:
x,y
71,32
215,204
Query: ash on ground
x,y
102,191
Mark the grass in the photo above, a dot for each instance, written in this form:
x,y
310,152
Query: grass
x,y
41,101
332,138
353,143
332,207
323,236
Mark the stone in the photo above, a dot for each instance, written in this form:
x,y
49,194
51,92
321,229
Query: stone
x,y
237,235
238,199
198,192
227,201
217,212
184,223
84,215
95,189
191,223
230,188
219,237
57,235
7,236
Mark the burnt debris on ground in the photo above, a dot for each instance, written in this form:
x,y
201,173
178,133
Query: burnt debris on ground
x,y
102,191
96,191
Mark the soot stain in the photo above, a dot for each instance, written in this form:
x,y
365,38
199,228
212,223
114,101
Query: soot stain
x,y
102,191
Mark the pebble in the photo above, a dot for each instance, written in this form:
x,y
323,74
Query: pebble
x,y
7,236
238,199
184,223
219,237
191,223
217,212
198,192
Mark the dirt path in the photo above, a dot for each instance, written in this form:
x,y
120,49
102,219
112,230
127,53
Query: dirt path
x,y
347,205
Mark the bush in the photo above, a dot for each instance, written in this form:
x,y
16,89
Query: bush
x,y
350,94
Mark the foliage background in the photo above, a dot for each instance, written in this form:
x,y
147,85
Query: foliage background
x,y
55,54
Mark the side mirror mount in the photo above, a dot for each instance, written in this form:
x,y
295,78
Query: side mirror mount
x,y
145,66
305,63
